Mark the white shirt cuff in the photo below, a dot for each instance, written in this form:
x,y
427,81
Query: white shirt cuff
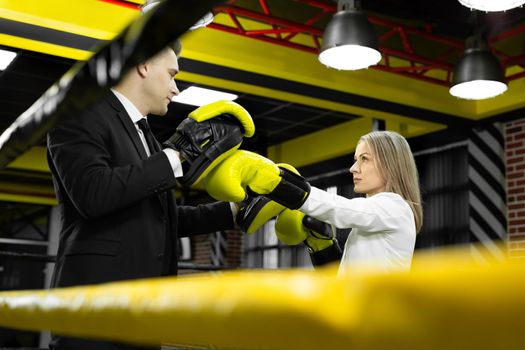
x,y
174,160
235,210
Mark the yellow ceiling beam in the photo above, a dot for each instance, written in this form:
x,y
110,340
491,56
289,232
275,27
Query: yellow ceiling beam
x,y
234,51
92,18
327,143
419,126
34,159
42,47
512,99
337,141
230,50
103,20
27,193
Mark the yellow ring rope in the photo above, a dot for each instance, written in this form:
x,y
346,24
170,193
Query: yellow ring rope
x,y
446,302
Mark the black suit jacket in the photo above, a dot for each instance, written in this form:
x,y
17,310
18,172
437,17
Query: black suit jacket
x,y
119,217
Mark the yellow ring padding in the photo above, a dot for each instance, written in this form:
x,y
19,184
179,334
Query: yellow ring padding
x,y
446,302
217,108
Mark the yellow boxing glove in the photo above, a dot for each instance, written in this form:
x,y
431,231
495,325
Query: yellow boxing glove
x,y
245,172
293,227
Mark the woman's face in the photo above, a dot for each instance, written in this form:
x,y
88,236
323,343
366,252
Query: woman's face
x,y
364,170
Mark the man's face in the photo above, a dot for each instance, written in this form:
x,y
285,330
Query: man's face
x,y
159,82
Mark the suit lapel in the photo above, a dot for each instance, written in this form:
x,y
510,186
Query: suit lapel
x,y
133,134
128,124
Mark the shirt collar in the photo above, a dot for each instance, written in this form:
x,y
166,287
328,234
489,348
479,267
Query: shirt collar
x,y
133,112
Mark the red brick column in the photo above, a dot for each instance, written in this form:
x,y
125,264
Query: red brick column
x,y
235,248
200,253
201,250
515,163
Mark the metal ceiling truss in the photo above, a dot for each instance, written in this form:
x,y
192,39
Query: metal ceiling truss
x,y
404,60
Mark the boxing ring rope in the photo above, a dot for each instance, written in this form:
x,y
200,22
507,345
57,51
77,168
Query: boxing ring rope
x,y
445,302
87,81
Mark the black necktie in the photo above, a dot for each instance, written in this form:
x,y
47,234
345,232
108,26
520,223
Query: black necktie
x,y
153,145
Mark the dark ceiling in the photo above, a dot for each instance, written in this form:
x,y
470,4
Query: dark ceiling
x,y
26,79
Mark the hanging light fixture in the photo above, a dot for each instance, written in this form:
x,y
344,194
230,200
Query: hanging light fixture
x,y
349,41
203,22
492,5
478,74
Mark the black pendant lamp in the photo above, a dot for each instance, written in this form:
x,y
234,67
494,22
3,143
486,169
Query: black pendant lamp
x,y
478,74
492,5
349,42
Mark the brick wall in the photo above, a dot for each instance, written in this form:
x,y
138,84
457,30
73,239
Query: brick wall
x,y
201,251
515,163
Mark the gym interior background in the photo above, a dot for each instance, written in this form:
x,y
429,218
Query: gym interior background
x,y
470,154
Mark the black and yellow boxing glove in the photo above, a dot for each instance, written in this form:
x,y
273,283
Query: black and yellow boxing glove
x,y
293,227
245,172
207,136
259,209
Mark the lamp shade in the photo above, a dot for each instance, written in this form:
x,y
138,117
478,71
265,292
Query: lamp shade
x,y
492,5
478,74
349,42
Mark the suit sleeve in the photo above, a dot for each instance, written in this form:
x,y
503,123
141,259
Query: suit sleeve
x,y
81,156
204,218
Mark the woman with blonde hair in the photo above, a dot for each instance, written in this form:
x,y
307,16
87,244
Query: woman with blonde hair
x,y
384,223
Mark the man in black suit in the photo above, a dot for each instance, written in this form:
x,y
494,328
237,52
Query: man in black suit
x,y
119,217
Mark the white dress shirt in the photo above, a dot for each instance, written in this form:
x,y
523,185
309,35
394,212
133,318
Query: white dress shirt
x,y
383,232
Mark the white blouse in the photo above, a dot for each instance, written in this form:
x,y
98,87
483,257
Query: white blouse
x,y
383,232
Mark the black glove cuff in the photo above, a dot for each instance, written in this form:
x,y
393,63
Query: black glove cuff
x,y
326,256
318,228
252,208
292,191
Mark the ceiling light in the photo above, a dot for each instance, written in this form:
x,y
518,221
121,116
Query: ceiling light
x,y
5,58
478,74
492,5
203,22
198,96
349,41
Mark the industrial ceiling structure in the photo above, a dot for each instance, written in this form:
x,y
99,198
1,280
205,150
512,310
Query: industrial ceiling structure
x,y
265,51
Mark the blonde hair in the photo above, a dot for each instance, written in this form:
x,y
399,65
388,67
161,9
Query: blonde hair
x,y
397,167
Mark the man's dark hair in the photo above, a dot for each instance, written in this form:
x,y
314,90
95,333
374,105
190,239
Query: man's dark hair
x,y
176,46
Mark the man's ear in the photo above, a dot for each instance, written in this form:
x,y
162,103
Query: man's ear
x,y
142,69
